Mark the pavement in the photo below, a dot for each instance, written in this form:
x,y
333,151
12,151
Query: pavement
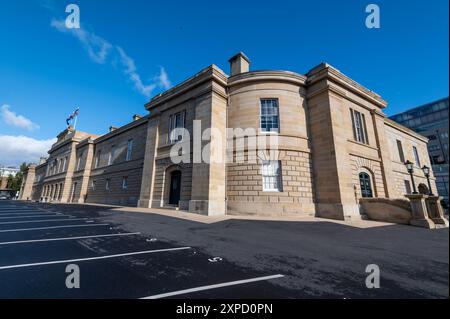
x,y
145,253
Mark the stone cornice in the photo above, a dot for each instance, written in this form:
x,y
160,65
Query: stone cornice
x,y
121,129
266,76
57,146
405,130
85,142
326,71
211,73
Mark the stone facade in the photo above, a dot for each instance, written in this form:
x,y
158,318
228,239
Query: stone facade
x,y
319,138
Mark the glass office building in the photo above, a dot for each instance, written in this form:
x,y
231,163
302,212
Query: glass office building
x,y
431,120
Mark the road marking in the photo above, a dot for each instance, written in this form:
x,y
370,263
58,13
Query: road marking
x,y
29,216
19,210
44,220
66,238
202,288
33,213
50,227
67,261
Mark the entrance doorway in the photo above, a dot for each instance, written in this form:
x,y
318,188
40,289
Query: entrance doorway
x,y
175,187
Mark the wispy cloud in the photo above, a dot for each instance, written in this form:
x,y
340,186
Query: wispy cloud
x,y
19,149
161,81
96,47
100,50
13,119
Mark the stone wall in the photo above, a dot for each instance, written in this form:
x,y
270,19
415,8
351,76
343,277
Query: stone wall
x,y
245,190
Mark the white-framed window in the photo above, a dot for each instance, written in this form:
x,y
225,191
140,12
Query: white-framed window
x,y
359,127
177,123
124,182
112,155
401,156
80,156
416,156
269,116
97,159
271,173
129,150
59,165
108,184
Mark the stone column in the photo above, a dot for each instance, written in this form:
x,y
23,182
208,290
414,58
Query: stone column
x,y
419,211
435,211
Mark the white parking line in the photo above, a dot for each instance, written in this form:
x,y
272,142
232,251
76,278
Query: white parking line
x,y
66,261
15,209
29,216
202,288
23,212
33,213
50,227
44,220
65,238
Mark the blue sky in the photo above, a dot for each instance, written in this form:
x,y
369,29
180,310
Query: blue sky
x,y
46,71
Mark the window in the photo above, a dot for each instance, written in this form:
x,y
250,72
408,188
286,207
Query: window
x,y
79,161
124,182
129,150
431,137
108,184
65,164
74,189
60,191
407,187
400,151
416,156
271,172
437,159
432,148
59,165
177,122
366,185
359,127
97,160
269,115
112,155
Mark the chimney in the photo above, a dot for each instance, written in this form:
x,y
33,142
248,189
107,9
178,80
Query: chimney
x,y
136,117
112,128
239,63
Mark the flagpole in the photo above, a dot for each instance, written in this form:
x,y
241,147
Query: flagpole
x,y
75,122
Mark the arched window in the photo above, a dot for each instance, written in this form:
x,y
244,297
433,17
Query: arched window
x,y
423,189
366,185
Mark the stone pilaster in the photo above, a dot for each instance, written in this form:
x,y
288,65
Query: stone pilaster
x,y
148,174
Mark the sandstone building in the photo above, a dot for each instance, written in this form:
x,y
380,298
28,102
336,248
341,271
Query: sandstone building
x,y
334,146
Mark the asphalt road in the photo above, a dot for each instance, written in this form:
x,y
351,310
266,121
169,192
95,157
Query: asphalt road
x,y
137,255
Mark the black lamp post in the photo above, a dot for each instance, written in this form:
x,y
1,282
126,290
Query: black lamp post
x,y
426,172
410,168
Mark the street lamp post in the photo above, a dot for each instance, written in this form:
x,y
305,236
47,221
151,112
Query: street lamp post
x,y
426,172
410,168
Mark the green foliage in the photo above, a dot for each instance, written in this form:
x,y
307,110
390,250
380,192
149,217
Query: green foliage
x,y
15,182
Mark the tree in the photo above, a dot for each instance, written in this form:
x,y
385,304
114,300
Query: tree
x,y
15,182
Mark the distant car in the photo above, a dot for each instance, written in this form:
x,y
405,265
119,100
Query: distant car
x,y
4,197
